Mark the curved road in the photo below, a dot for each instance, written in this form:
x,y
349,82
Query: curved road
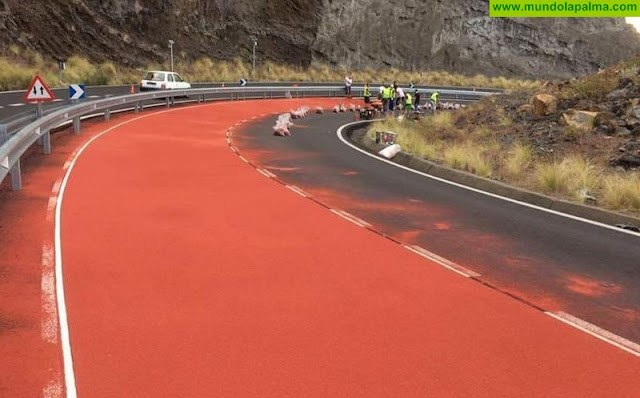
x,y
189,273
552,262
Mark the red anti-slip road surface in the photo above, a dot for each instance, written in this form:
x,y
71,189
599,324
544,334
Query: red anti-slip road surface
x,y
190,274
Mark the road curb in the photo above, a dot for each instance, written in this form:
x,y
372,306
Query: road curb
x,y
495,187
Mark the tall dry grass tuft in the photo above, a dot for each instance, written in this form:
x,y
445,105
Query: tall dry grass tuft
x,y
518,160
622,192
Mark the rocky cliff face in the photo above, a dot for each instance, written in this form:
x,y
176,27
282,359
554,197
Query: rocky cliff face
x,y
456,35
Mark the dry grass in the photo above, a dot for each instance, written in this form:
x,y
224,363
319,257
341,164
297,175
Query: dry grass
x,y
17,69
594,86
622,192
518,160
468,157
572,177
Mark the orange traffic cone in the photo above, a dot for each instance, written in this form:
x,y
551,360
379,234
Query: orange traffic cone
x,y
132,90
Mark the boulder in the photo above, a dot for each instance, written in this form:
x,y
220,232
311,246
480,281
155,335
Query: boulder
x,y
618,94
606,129
580,120
623,132
544,104
634,111
629,157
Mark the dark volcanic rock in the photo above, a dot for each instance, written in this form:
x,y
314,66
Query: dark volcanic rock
x,y
629,157
456,35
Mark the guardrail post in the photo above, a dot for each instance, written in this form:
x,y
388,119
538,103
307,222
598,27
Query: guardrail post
x,y
76,125
136,107
46,142
16,177
107,114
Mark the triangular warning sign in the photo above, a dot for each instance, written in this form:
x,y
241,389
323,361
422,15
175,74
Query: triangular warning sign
x,y
38,91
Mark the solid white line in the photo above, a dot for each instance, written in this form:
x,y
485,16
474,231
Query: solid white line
x,y
69,375
297,190
595,331
529,205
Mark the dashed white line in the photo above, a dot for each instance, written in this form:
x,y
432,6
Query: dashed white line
x,y
597,332
56,187
451,266
51,206
57,100
94,96
243,159
16,105
49,324
351,218
266,173
297,190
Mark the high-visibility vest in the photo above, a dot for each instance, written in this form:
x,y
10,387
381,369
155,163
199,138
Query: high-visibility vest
x,y
434,97
367,93
408,99
386,94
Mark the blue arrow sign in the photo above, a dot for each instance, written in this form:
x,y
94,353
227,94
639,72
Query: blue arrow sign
x,y
76,91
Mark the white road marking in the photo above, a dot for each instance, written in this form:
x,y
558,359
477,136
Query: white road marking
x,y
451,266
297,190
66,164
266,173
65,340
49,323
595,331
16,105
94,96
51,206
56,187
351,218
529,205
57,100
244,159
233,149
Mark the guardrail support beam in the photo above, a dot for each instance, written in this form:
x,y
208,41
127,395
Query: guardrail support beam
x,y
168,102
16,177
76,125
107,114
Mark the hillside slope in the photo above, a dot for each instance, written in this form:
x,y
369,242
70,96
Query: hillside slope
x,y
456,35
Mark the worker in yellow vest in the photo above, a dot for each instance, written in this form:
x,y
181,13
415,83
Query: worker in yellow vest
x,y
434,99
367,93
386,96
408,103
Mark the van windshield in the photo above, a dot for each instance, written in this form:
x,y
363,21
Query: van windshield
x,y
154,76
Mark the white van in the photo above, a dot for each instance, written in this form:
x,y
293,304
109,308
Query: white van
x,y
162,80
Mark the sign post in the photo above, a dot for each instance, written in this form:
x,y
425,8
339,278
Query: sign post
x,y
40,92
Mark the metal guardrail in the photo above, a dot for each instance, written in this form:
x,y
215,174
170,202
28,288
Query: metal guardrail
x,y
19,134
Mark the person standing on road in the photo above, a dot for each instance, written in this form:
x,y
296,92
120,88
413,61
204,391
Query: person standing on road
x,y
347,85
392,96
367,93
400,97
434,99
417,100
386,95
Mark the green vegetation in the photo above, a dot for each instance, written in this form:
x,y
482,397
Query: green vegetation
x,y
17,68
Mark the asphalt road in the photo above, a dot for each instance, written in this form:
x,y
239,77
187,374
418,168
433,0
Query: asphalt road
x,y
12,102
552,262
